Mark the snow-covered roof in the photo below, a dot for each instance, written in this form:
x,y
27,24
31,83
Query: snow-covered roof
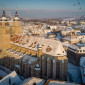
x,y
69,19
68,29
73,46
81,45
32,59
26,57
53,82
79,48
80,26
33,80
49,46
16,19
29,58
70,39
71,36
3,19
12,77
66,43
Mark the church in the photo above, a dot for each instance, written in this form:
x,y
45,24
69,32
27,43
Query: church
x,y
28,55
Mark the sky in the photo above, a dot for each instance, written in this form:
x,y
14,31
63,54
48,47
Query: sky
x,y
44,8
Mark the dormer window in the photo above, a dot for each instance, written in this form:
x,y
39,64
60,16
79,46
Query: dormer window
x,y
77,50
48,49
83,50
80,50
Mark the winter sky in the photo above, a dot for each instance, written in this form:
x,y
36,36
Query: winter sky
x,y
44,8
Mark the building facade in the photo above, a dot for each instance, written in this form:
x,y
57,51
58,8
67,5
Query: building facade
x,y
32,56
75,52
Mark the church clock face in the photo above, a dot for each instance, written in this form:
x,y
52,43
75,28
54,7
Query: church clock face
x,y
82,61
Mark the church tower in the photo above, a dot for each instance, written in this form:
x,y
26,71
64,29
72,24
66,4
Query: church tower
x,y
16,20
16,28
4,32
3,21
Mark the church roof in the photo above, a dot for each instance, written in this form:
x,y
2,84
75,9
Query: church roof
x,y
16,18
49,46
3,18
3,15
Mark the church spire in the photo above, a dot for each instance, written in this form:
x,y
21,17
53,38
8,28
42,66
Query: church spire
x,y
3,15
16,15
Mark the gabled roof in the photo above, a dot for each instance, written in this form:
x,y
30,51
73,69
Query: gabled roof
x,y
71,36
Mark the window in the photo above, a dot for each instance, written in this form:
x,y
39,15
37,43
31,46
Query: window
x,y
48,49
80,50
83,50
77,50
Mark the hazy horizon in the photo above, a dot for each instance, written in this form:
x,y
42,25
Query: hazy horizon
x,y
44,8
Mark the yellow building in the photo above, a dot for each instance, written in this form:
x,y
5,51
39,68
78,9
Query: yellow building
x,y
4,32
16,27
31,56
